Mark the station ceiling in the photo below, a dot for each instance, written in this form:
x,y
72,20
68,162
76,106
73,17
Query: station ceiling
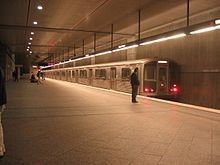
x,y
68,28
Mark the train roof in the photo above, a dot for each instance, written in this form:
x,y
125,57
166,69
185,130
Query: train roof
x,y
130,62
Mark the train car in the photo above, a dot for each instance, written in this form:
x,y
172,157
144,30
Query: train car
x,y
158,78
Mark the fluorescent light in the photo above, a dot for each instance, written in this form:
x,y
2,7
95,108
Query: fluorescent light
x,y
124,48
162,62
35,22
164,39
217,21
107,52
39,7
203,30
176,36
121,46
32,33
217,27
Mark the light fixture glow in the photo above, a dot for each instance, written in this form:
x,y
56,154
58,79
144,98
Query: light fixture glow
x,y
30,52
217,21
164,39
31,38
162,62
203,30
35,22
27,49
102,53
124,48
32,33
121,46
29,43
39,7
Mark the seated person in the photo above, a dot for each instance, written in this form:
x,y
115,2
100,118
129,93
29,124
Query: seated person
x,y
33,79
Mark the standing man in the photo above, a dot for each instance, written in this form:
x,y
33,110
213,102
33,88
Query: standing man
x,y
3,101
134,84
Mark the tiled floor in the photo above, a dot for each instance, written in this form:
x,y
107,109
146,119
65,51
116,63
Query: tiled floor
x,y
60,123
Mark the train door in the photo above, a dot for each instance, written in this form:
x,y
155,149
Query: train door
x,y
90,77
162,78
113,78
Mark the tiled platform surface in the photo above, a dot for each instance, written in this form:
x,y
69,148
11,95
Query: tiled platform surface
x,y
61,123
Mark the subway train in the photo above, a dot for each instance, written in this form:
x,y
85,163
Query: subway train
x,y
158,78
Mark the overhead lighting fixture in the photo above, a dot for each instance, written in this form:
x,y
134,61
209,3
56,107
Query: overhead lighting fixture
x,y
30,52
217,21
203,30
162,62
27,49
107,52
35,22
125,48
39,7
121,46
31,38
29,43
164,39
32,33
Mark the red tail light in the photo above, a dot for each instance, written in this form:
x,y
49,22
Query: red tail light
x,y
174,89
148,90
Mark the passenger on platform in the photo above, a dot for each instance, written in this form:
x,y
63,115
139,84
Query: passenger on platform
x,y
134,84
38,77
15,75
33,79
3,101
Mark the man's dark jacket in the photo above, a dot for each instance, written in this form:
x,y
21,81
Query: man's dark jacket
x,y
134,79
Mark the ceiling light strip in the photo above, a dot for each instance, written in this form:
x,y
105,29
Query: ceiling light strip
x,y
164,39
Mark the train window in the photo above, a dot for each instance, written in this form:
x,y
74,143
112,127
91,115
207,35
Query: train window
x,y
126,73
103,73
100,73
150,72
83,73
90,73
162,74
97,73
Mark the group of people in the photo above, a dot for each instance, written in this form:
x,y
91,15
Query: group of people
x,y
39,76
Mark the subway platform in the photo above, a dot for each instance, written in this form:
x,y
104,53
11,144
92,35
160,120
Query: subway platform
x,y
62,123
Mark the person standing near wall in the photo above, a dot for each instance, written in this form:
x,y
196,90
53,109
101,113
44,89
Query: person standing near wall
x,y
3,101
134,84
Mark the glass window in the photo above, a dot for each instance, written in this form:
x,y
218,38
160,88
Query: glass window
x,y
126,73
100,73
162,74
150,71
